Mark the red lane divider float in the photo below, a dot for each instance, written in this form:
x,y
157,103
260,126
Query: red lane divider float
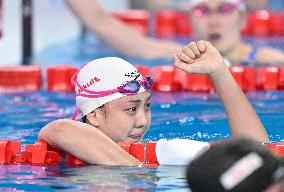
x,y
41,154
167,78
259,23
27,78
165,23
277,23
164,79
267,78
169,23
172,23
144,70
59,78
281,79
8,150
138,19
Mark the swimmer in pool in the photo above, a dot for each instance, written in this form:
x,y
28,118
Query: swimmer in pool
x,y
219,22
115,102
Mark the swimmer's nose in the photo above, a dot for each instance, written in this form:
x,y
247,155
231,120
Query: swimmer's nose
x,y
141,119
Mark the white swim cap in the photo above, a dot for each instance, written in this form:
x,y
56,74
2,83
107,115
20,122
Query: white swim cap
x,y
97,82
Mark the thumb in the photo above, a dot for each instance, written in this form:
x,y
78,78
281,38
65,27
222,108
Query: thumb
x,y
178,62
176,59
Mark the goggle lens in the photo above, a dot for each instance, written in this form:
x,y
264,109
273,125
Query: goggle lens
x,y
223,9
200,11
134,86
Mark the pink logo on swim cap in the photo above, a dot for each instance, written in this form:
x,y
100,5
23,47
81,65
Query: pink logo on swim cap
x,y
91,82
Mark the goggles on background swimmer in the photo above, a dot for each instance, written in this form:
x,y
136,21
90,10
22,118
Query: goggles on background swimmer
x,y
223,9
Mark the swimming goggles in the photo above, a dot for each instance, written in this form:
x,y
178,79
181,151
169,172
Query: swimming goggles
x,y
127,88
223,9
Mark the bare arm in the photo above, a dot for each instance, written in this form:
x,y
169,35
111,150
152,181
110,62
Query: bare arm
x,y
155,5
85,142
119,35
203,58
270,56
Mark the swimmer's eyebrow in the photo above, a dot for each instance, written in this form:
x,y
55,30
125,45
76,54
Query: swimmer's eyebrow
x,y
139,100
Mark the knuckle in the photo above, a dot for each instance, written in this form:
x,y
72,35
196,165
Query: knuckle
x,y
184,49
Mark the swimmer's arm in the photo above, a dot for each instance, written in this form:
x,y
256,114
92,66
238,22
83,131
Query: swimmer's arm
x,y
85,142
203,58
119,35
243,119
270,56
158,5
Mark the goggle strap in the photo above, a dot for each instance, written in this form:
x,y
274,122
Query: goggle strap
x,y
75,113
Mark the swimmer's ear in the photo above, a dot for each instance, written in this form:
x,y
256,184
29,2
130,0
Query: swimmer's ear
x,y
92,118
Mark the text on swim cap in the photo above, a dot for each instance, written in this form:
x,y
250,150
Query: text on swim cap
x,y
90,83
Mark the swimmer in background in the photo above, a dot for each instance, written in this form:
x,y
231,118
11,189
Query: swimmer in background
x,y
115,102
219,22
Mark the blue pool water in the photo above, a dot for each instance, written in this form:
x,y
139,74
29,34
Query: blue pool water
x,y
197,116
184,115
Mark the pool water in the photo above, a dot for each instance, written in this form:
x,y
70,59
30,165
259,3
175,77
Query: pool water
x,y
198,116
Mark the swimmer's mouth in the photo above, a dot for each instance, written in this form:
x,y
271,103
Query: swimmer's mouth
x,y
214,37
136,137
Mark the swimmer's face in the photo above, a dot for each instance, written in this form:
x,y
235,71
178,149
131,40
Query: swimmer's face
x,y
127,118
219,22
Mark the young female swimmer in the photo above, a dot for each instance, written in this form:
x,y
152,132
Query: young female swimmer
x,y
115,101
